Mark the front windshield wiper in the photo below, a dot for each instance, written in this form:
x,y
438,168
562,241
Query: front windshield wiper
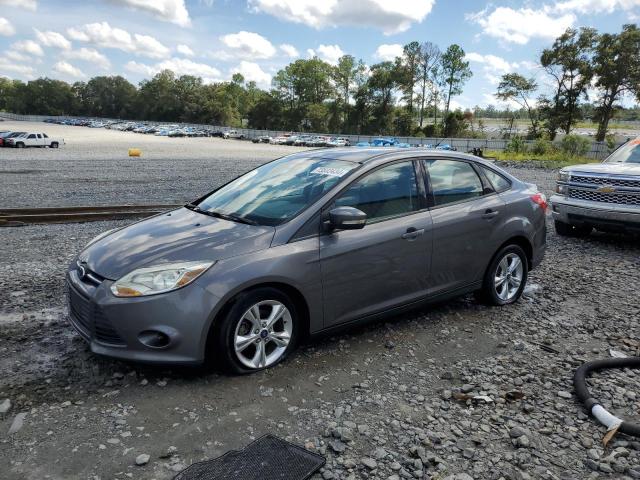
x,y
224,216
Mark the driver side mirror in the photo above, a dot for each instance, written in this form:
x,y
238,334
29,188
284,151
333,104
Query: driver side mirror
x,y
347,218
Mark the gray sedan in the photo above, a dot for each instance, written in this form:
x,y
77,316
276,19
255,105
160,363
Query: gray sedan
x,y
306,244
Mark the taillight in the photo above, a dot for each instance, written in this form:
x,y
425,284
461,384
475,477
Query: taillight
x,y
540,199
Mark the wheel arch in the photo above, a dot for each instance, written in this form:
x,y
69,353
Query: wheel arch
x,y
296,296
521,241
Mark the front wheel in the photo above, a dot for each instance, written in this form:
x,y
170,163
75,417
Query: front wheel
x,y
54,145
568,230
259,331
505,278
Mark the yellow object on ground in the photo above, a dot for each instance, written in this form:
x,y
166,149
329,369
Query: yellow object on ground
x,y
135,152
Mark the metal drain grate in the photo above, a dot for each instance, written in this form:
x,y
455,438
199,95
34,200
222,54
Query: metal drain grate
x,y
268,457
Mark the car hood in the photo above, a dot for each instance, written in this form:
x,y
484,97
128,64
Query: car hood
x,y
607,168
180,235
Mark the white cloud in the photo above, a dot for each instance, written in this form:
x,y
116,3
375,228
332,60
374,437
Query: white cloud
x,y
174,11
330,53
17,56
390,16
52,39
180,66
28,46
388,52
104,35
249,45
289,50
6,28
10,69
520,26
90,55
492,62
65,68
185,50
28,4
253,73
594,6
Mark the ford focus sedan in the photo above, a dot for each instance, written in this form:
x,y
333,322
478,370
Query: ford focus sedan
x,y
305,244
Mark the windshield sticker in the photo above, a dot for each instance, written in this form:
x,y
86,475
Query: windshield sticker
x,y
333,172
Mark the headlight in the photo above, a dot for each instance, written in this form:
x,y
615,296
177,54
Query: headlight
x,y
158,279
564,176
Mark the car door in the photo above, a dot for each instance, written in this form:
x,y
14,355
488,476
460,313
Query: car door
x,y
386,263
31,140
40,140
467,216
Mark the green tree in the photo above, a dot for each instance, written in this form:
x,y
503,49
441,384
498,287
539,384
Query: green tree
x,y
515,87
408,68
382,82
568,63
616,67
455,72
109,97
427,74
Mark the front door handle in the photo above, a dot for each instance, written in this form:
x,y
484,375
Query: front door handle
x,y
412,233
489,214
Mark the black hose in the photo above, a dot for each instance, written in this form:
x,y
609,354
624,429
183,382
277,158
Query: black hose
x,y
582,392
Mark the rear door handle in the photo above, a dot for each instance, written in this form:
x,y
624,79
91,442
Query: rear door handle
x,y
489,214
412,233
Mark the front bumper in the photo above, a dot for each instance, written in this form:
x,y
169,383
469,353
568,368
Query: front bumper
x,y
603,216
112,326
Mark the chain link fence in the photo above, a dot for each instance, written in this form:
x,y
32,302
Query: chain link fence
x,y
598,150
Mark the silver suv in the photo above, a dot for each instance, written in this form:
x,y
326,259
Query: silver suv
x,y
603,196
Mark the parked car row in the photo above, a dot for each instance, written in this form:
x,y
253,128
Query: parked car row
x,y
160,130
28,139
298,140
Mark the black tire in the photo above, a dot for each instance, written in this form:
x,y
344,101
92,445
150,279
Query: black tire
x,y
488,293
222,342
54,145
568,230
20,145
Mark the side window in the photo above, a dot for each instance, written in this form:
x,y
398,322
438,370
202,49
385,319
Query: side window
x,y
500,184
453,181
39,135
384,193
45,135
31,136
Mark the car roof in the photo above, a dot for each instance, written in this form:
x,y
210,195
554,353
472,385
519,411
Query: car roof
x,y
365,154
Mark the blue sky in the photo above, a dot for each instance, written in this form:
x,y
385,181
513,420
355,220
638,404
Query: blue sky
x,y
76,39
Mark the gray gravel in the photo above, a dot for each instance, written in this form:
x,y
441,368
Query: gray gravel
x,y
453,391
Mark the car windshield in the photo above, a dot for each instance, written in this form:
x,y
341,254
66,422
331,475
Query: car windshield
x,y
628,153
276,192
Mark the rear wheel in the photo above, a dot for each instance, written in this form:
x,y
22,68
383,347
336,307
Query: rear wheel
x,y
568,230
505,278
259,331
20,145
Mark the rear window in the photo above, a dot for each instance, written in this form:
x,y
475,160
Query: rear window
x,y
499,183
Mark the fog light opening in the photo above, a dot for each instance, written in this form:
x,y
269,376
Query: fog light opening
x,y
154,339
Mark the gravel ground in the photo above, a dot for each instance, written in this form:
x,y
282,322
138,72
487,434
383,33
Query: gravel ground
x,y
389,400
94,167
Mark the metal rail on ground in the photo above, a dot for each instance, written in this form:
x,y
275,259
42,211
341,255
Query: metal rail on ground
x,y
12,217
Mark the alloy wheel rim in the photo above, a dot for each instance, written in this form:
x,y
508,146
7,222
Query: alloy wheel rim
x,y
263,334
508,276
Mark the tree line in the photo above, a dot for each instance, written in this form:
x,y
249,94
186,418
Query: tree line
x,y
412,95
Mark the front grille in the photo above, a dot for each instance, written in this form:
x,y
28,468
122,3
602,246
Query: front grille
x,y
90,320
613,181
593,196
80,310
105,332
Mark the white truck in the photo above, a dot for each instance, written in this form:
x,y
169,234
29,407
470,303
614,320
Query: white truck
x,y
34,140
